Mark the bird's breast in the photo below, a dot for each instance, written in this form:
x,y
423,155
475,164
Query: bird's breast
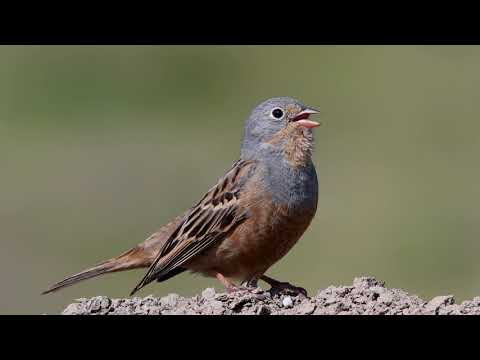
x,y
273,227
296,188
269,233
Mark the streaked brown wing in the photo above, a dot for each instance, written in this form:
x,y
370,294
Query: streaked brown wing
x,y
217,214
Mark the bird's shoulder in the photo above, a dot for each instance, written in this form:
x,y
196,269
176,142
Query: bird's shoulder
x,y
222,207
228,188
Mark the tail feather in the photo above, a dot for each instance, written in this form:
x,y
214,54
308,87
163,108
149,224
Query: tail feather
x,y
131,259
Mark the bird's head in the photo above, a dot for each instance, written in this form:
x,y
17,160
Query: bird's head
x,y
279,125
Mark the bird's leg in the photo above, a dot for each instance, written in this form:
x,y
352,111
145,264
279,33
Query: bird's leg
x,y
251,286
278,286
247,286
229,286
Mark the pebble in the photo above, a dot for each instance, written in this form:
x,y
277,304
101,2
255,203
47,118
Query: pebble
x,y
208,293
287,302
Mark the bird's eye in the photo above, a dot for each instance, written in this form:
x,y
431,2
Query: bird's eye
x,y
277,113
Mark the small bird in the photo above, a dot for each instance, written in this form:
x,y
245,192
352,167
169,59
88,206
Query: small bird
x,y
248,220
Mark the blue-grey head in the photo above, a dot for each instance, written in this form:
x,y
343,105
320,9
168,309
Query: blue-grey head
x,y
278,125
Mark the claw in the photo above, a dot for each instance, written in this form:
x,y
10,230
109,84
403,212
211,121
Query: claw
x,y
278,287
249,286
288,288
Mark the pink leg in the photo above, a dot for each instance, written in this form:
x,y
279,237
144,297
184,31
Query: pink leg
x,y
229,286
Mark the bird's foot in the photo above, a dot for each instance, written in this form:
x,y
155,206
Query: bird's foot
x,y
246,287
249,287
231,287
279,287
289,289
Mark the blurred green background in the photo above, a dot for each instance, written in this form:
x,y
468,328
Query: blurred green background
x,y
101,145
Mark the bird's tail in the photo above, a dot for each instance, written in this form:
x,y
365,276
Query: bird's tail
x,y
131,259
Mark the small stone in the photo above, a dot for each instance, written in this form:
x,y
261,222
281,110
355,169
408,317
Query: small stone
x,y
217,308
238,305
208,293
98,303
170,300
436,303
333,309
378,290
105,302
367,282
344,291
221,297
385,298
287,302
149,300
449,309
263,310
190,312
154,310
73,309
306,308
330,300
476,300
442,300
214,307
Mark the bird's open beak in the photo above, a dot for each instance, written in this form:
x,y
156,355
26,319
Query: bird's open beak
x,y
302,118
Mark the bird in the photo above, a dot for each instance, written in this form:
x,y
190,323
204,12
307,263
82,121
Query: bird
x,y
250,219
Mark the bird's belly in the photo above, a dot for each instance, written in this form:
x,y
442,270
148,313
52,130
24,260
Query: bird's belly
x,y
253,247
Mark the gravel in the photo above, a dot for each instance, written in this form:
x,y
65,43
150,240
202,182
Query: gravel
x,y
366,296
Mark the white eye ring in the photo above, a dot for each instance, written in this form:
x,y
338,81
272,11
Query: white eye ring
x,y
277,113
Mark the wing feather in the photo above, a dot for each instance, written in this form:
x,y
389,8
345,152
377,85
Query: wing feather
x,y
217,214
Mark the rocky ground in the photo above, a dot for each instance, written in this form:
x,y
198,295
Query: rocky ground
x,y
366,296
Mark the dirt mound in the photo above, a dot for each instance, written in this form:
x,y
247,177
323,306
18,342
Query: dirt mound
x,y
366,296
